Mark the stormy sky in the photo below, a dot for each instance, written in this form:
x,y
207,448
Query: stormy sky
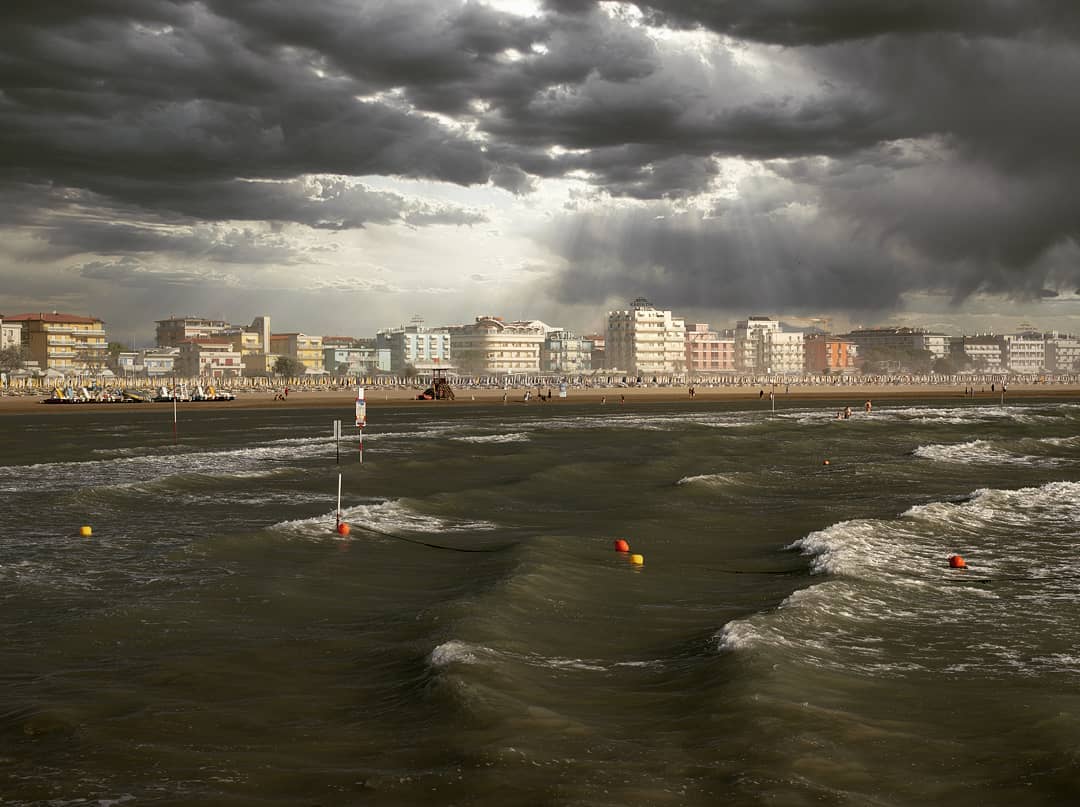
x,y
345,164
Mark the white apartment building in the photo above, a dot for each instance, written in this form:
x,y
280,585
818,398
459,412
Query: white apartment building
x,y
644,339
414,345
1025,353
10,334
784,352
762,347
492,345
986,352
936,343
1062,354
209,357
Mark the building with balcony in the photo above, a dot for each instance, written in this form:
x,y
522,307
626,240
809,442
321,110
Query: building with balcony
x,y
349,359
253,342
645,339
565,352
308,350
1025,353
174,331
424,349
1062,353
492,345
213,358
828,354
708,351
596,345
900,340
983,352
67,343
209,357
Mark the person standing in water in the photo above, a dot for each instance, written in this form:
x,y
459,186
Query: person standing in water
x,y
868,405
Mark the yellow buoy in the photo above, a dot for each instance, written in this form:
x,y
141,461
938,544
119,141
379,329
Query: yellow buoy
x,y
85,531
637,560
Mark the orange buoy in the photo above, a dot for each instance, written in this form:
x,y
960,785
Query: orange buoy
x,y
956,562
343,528
621,545
825,463
85,531
637,560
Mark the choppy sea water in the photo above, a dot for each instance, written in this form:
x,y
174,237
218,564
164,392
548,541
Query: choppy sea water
x,y
794,635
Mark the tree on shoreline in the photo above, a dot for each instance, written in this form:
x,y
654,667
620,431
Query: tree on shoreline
x,y
12,358
289,367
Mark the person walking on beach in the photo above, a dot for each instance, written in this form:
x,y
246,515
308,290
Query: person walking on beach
x,y
761,394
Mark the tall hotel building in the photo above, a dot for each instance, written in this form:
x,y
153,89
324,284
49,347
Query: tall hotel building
x,y
66,343
644,339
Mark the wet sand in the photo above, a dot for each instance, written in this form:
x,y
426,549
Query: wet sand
x,y
850,395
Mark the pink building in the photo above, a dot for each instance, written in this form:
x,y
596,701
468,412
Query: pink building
x,y
708,351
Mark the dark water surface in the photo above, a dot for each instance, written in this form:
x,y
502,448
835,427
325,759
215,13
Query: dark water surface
x,y
793,637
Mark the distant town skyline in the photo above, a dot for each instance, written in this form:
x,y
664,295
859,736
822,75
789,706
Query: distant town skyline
x,y
345,165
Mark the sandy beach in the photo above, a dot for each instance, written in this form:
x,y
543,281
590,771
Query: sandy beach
x,y
851,395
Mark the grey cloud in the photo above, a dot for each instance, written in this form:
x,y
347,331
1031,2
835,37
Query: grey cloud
x,y
948,129
815,22
131,272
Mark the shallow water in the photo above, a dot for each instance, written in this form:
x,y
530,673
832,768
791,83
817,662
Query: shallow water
x,y
794,635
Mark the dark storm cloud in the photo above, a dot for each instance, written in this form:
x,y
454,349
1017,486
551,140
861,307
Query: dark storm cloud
x,y
815,22
738,259
917,145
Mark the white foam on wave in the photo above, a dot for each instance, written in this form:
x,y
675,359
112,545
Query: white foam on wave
x,y
456,651
258,458
891,603
513,437
979,451
383,516
713,480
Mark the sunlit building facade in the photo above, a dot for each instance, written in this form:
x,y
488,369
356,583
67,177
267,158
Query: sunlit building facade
x,y
67,343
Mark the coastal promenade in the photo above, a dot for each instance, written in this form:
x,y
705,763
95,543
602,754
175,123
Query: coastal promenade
x,y
332,396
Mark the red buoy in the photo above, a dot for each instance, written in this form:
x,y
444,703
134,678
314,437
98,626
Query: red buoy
x,y
621,545
956,562
343,528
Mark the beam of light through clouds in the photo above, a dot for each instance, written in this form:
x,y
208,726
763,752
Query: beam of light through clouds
x,y
342,164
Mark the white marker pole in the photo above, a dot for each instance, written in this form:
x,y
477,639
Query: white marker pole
x,y
174,416
361,419
337,512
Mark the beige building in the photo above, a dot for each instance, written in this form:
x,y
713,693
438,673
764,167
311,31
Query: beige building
x,y
66,343
253,342
308,350
491,345
174,331
644,339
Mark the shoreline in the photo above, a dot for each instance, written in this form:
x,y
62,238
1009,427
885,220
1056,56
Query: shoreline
x,y
853,395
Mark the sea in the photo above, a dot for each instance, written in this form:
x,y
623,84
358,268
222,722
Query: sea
x,y
792,633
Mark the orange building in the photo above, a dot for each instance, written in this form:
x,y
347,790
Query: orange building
x,y
829,354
